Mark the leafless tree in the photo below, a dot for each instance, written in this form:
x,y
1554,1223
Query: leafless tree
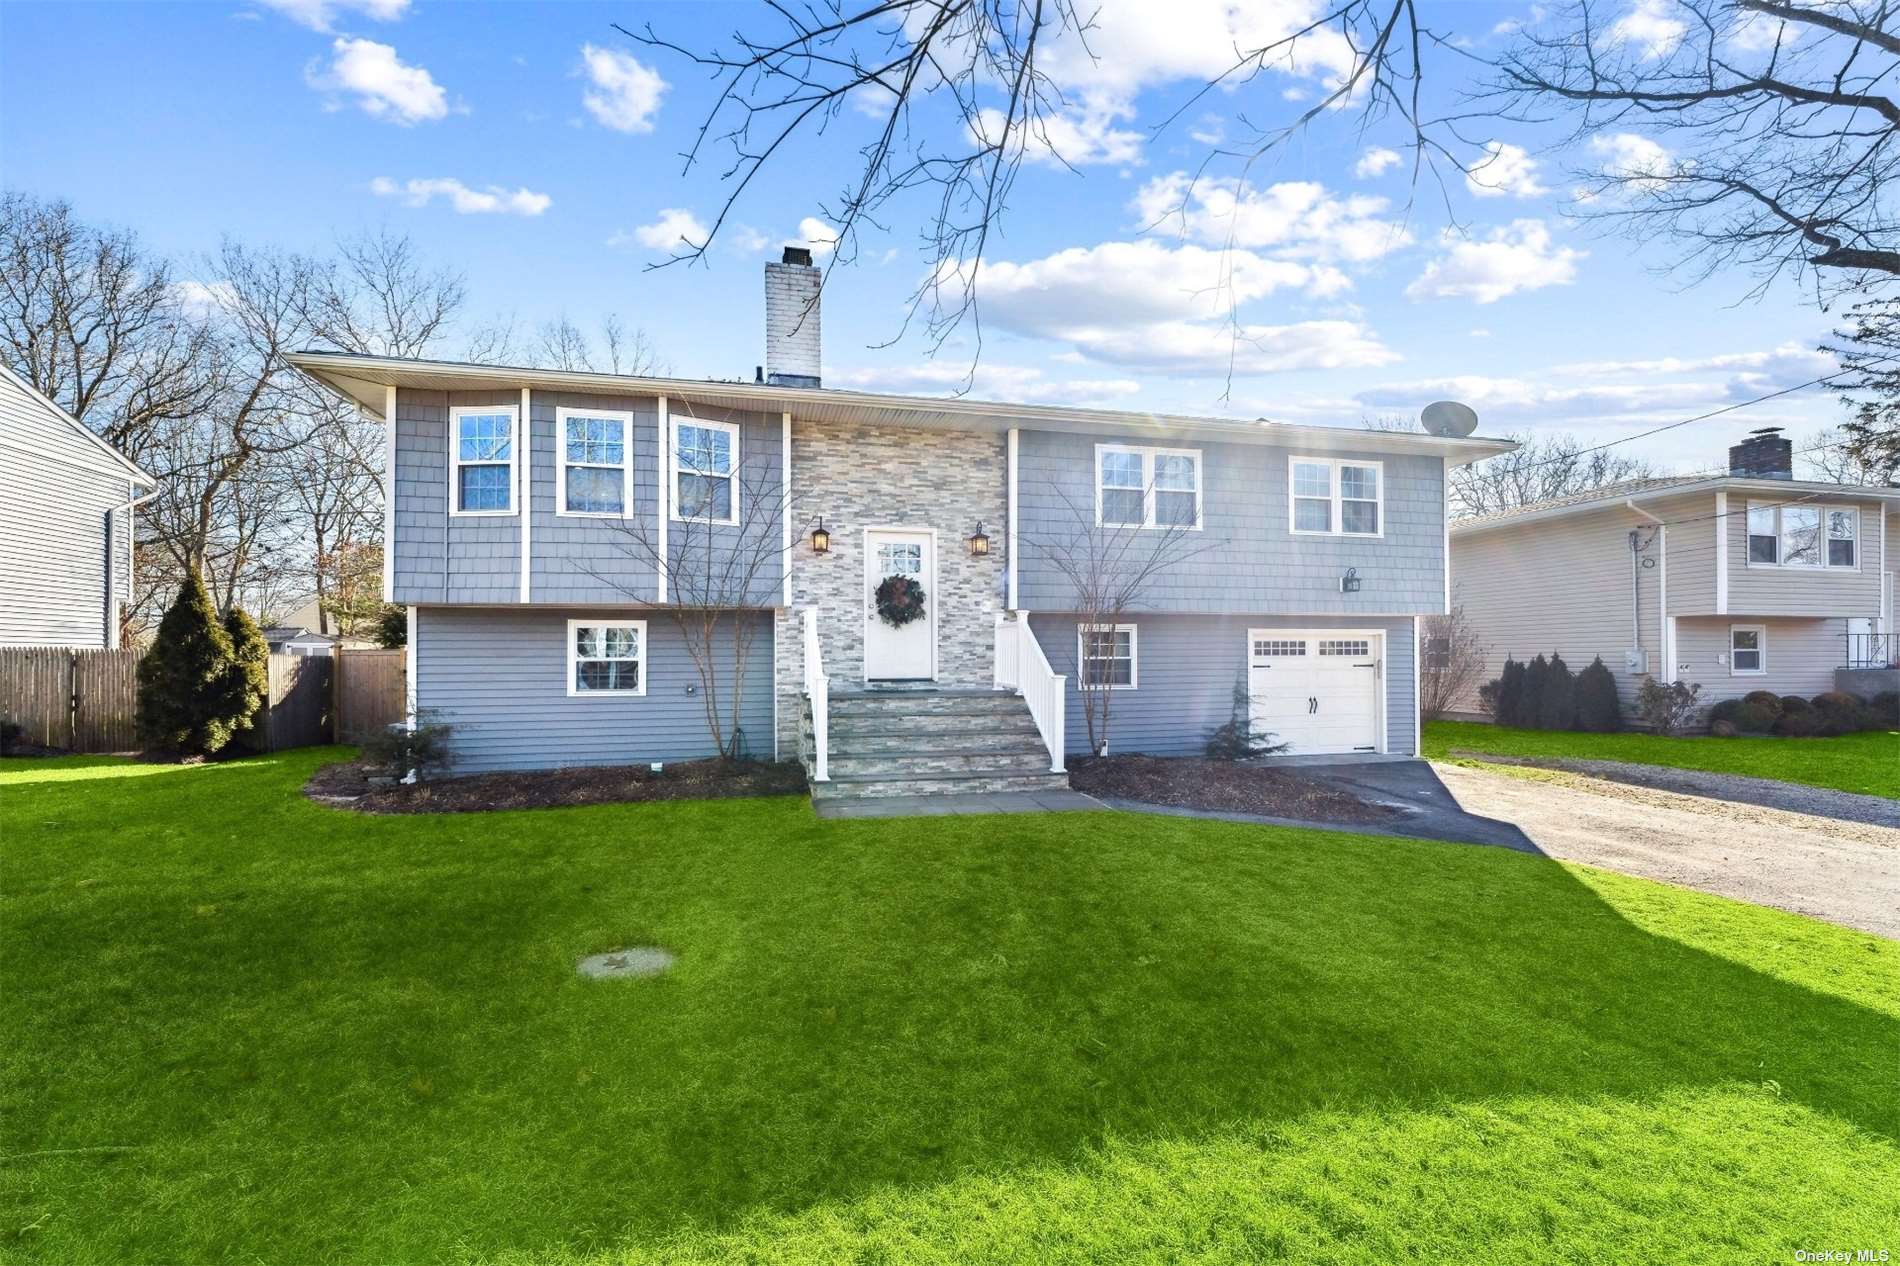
x,y
1760,134
376,297
560,344
1453,661
1111,570
1538,470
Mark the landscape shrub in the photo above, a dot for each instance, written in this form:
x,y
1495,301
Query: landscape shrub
x,y
424,749
12,738
246,684
1510,694
1795,703
1767,700
1883,711
1240,738
1740,717
1839,713
1530,705
1723,729
392,627
1488,697
1598,710
1804,723
1669,709
184,701
1557,706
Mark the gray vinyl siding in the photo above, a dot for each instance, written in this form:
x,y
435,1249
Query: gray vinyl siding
x,y
440,558
56,490
1802,655
1186,669
1803,590
500,677
1252,561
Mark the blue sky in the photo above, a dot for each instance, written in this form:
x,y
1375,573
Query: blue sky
x,y
536,150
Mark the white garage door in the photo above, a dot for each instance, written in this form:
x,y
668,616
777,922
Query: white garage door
x,y
1317,690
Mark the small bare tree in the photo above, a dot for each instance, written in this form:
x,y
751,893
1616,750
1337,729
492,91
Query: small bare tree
x,y
1452,663
1111,569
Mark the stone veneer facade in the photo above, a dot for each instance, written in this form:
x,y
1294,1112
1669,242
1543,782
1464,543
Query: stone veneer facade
x,y
888,477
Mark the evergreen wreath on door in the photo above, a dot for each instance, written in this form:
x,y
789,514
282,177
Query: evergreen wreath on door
x,y
900,599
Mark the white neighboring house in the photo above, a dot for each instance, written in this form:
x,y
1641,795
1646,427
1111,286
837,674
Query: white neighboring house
x,y
66,499
294,639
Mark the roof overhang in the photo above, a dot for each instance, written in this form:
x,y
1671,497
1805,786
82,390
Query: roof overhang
x,y
1802,490
367,379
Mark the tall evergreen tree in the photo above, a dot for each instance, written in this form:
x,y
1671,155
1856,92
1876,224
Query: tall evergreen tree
x,y
1598,709
1530,708
182,679
1557,709
247,682
1510,696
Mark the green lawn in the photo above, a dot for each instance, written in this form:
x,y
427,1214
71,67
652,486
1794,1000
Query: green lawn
x,y
236,1026
1868,762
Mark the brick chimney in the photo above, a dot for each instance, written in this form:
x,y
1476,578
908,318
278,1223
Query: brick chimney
x,y
792,327
1765,454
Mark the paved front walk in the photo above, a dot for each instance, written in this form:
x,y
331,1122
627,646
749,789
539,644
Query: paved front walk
x,y
959,805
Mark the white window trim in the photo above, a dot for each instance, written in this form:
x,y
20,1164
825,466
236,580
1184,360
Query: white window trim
x,y
456,414
625,418
1761,643
674,469
1333,485
1134,656
1860,535
573,658
1147,454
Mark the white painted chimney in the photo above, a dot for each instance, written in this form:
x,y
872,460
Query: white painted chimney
x,y
792,328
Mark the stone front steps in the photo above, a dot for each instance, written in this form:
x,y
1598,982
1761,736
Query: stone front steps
x,y
919,742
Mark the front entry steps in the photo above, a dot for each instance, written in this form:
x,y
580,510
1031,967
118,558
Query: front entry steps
x,y
915,741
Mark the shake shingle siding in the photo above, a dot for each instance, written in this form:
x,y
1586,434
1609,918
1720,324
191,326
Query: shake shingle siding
x,y
1186,669
587,559
1251,561
500,678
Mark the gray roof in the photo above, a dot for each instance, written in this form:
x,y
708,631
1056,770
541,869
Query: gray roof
x,y
1608,492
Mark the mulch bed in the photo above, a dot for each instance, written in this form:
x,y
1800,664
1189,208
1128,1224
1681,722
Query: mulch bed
x,y
1225,786
348,784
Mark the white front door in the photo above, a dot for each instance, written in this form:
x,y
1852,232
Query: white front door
x,y
906,652
1317,691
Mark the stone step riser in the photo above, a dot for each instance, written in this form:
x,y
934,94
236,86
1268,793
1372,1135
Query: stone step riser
x,y
920,765
899,709
938,786
884,727
936,745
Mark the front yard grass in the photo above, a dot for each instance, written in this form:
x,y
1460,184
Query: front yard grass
x,y
1868,762
239,1026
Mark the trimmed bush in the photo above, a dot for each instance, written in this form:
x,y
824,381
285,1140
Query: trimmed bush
x,y
1839,712
183,696
1723,729
1795,703
1599,711
1557,709
1798,723
1765,699
1741,716
1531,707
1883,711
247,682
1511,694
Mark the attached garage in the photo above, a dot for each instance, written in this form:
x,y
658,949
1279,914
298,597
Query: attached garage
x,y
1319,690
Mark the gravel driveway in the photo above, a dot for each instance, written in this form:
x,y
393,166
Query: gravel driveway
x,y
1844,872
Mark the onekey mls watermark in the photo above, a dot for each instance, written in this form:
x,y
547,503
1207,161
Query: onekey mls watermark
x,y
1842,1255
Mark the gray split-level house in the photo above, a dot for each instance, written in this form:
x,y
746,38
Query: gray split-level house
x,y
542,523
1742,581
66,499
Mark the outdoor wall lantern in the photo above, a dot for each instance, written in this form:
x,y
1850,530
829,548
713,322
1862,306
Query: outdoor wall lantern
x,y
1349,583
979,544
820,539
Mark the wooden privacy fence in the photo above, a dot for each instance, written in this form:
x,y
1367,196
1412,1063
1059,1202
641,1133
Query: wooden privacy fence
x,y
87,700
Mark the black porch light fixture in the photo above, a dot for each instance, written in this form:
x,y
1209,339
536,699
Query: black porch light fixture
x,y
979,543
820,539
1349,583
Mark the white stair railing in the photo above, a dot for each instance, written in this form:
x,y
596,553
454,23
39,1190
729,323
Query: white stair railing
x,y
1021,665
818,690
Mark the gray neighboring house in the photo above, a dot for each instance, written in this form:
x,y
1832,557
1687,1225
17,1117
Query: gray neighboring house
x,y
1749,580
545,636
66,499
294,639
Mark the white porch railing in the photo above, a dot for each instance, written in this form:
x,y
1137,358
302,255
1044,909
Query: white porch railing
x,y
818,690
1021,666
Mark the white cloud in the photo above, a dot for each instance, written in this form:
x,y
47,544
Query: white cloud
x,y
1505,169
200,300
1080,139
1651,28
1627,156
677,229
1211,347
814,234
321,15
492,200
1374,162
747,240
383,85
625,94
1518,256
1017,383
1296,219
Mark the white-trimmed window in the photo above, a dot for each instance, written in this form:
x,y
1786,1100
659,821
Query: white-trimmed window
x,y
1336,496
1803,536
1105,656
596,462
705,470
1147,487
606,657
1747,650
482,459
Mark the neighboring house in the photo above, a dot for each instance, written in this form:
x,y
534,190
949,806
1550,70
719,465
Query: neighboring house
x,y
66,499
1751,580
545,637
308,615
294,639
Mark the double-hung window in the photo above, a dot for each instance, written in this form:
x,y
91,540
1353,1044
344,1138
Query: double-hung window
x,y
606,657
705,471
1803,536
1147,487
1105,654
482,460
595,466
1747,650
1336,497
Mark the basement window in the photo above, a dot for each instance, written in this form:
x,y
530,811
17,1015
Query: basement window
x,y
606,659
1106,656
1747,650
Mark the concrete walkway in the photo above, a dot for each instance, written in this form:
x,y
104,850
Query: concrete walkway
x,y
961,805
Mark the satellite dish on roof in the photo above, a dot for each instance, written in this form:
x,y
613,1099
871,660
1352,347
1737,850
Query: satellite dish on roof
x,y
1449,418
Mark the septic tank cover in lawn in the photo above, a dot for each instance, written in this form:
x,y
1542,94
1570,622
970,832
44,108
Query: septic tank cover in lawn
x,y
641,960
